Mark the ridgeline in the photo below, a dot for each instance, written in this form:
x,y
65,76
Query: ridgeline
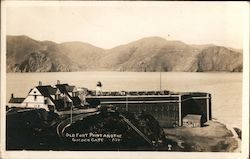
x,y
150,54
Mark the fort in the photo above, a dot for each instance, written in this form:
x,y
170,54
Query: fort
x,y
169,108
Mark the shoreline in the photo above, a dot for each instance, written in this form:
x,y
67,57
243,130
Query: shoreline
x,y
235,135
215,137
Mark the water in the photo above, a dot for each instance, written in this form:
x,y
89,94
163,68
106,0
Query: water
x,y
226,88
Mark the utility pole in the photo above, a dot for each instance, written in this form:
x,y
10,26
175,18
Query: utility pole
x,y
126,102
160,77
71,116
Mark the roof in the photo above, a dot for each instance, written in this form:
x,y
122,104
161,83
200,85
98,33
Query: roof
x,y
62,88
16,100
192,116
65,88
46,91
67,99
59,104
76,101
49,102
70,88
52,91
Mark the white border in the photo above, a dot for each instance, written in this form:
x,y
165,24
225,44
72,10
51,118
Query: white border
x,y
145,155
3,77
245,93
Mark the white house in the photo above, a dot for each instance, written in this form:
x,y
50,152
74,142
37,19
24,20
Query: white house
x,y
40,97
60,97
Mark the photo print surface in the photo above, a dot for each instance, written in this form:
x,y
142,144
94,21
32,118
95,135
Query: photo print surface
x,y
124,76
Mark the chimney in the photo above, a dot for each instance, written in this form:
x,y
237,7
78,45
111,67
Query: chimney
x,y
40,83
58,81
12,95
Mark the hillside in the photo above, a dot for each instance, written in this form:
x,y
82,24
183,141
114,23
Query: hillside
x,y
151,54
83,54
148,54
27,55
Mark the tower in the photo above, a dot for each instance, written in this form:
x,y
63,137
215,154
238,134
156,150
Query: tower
x,y
98,88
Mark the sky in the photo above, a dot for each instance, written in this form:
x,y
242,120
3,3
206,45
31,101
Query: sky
x,y
108,24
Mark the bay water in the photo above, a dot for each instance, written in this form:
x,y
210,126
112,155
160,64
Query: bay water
x,y
225,88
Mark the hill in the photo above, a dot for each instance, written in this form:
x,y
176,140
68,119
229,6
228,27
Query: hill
x,y
148,54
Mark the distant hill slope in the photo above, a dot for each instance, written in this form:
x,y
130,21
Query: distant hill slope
x,y
148,54
27,55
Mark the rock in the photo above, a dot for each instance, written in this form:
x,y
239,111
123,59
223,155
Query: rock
x,y
215,137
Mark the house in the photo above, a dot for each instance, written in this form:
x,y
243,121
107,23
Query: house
x,y
61,97
41,97
50,98
15,102
192,120
71,92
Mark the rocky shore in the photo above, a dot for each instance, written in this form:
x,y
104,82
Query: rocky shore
x,y
213,137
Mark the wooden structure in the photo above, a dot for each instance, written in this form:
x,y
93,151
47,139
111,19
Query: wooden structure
x,y
192,121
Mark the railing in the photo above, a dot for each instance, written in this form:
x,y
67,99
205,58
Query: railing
x,y
131,93
137,130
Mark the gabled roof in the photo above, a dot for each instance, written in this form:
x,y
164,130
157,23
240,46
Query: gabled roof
x,y
16,100
59,104
30,90
76,101
49,102
67,99
62,88
65,88
58,91
47,91
52,91
70,88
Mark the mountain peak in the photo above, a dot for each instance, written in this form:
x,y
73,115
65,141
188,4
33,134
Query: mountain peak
x,y
156,38
156,53
79,44
24,37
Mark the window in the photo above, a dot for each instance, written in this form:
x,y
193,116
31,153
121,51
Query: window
x,y
35,97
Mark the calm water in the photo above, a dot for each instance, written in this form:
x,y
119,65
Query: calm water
x,y
226,88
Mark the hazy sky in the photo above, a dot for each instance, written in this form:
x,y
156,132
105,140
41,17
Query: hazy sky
x,y
108,24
